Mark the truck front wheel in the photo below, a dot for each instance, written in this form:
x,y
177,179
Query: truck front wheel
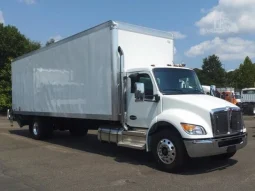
x,y
168,149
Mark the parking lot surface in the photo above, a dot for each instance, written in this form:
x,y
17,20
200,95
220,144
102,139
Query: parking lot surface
x,y
69,163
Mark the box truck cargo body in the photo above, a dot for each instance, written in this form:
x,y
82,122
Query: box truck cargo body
x,y
79,76
122,80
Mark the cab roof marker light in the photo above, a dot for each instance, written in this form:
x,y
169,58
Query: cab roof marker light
x,y
180,65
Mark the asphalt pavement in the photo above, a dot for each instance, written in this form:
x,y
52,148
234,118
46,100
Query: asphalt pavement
x,y
68,163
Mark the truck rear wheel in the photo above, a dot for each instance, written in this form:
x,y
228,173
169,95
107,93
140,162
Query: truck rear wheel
x,y
40,129
78,131
168,150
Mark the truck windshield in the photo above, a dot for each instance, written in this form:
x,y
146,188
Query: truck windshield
x,y
237,96
177,81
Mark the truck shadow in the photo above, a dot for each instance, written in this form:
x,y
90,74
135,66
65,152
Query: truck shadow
x,y
91,144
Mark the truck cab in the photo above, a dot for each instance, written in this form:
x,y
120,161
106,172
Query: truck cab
x,y
179,118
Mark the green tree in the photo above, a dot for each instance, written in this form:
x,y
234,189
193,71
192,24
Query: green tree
x,y
246,76
200,75
212,71
232,78
51,41
12,45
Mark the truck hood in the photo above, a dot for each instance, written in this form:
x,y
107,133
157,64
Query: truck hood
x,y
194,102
191,109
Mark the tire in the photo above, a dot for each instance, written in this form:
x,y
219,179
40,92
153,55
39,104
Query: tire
x,y
78,131
224,156
40,130
252,110
168,150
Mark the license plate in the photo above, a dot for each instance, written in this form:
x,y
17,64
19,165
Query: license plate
x,y
231,149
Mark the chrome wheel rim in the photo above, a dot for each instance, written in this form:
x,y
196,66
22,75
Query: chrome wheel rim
x,y
166,151
253,110
35,129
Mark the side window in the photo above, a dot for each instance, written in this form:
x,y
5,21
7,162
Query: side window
x,y
148,86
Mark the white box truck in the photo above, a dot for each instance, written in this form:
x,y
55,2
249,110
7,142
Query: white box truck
x,y
248,101
121,79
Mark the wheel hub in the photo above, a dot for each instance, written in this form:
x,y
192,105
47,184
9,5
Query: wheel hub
x,y
166,151
35,129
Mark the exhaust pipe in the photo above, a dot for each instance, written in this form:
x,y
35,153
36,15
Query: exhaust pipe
x,y
122,87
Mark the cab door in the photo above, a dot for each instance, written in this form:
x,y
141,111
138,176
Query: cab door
x,y
141,113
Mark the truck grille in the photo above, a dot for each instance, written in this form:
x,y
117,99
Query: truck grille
x,y
227,121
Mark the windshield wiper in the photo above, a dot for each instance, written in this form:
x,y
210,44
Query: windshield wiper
x,y
183,90
172,89
198,91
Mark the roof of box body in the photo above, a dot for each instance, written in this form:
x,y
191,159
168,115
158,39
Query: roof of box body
x,y
248,89
150,68
111,23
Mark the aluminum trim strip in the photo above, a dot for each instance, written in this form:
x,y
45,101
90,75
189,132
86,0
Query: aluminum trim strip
x,y
144,30
65,115
110,23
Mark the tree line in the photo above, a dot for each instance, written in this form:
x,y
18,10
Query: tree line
x,y
14,44
213,73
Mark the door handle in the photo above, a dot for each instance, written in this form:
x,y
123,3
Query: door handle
x,y
133,117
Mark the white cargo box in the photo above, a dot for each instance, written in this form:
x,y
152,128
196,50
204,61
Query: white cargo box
x,y
248,95
78,77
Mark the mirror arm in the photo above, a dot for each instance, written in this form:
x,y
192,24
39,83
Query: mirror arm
x,y
157,97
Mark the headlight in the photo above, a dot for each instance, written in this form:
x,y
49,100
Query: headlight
x,y
193,129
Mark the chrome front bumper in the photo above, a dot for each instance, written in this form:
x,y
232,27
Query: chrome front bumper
x,y
215,146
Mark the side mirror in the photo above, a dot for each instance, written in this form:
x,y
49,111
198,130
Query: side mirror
x,y
139,91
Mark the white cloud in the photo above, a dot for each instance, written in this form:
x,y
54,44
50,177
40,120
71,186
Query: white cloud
x,y
178,35
227,49
203,10
28,2
1,17
229,16
56,38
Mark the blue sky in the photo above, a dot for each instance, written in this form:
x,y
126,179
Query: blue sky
x,y
202,27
